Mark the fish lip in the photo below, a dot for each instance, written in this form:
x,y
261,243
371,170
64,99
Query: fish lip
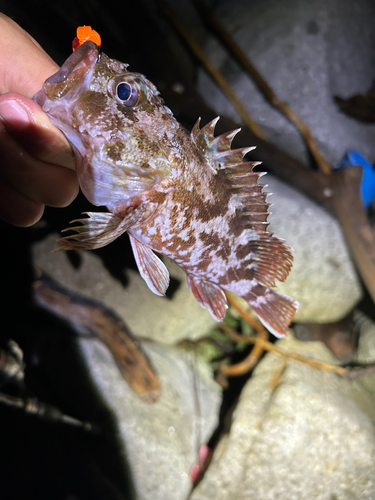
x,y
73,61
84,55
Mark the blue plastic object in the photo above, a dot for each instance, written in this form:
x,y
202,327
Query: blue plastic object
x,y
353,158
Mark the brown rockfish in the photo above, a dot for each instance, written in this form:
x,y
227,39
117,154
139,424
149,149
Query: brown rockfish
x,y
187,196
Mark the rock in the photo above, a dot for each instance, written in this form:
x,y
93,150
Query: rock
x,y
366,345
366,350
323,278
160,440
307,56
167,320
312,436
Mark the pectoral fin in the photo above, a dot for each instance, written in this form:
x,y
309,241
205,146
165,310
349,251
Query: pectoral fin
x,y
151,268
100,229
210,296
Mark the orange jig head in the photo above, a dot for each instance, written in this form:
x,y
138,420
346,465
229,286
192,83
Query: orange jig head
x,y
85,33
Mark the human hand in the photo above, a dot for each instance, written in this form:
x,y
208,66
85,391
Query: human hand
x,y
36,161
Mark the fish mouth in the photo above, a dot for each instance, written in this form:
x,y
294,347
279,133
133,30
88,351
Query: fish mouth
x,y
79,55
82,57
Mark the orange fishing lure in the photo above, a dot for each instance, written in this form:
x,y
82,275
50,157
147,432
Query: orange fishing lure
x,y
84,34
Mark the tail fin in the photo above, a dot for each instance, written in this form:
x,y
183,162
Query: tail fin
x,y
275,310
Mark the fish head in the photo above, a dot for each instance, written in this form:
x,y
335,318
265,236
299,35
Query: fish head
x,y
116,122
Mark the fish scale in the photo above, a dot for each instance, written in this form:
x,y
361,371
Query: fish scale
x,y
187,196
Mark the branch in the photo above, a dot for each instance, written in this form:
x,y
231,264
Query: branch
x,y
359,235
211,68
268,346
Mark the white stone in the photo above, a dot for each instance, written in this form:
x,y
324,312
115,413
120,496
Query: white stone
x,y
323,278
160,440
311,436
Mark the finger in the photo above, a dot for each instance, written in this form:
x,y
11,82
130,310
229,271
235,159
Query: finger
x,y
25,65
32,129
40,181
17,209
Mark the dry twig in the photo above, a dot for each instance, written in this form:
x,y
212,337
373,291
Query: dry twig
x,y
256,353
247,364
211,68
268,346
278,374
265,345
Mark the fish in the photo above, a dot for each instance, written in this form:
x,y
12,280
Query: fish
x,y
184,195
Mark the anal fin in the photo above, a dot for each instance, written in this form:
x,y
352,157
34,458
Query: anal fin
x,y
151,268
209,295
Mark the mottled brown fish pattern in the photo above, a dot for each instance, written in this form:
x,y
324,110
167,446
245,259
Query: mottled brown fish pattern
x,y
187,196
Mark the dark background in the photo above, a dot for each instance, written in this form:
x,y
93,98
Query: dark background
x,y
44,460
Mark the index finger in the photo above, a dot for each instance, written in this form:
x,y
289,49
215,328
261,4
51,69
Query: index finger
x,y
32,129
24,64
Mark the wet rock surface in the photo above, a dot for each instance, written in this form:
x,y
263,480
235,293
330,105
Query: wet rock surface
x,y
323,278
307,56
160,441
297,432
366,350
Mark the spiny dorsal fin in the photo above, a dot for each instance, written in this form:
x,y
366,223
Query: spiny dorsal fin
x,y
221,143
217,148
233,156
202,136
248,197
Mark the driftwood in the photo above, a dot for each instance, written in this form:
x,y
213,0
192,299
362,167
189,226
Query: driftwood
x,y
97,320
359,234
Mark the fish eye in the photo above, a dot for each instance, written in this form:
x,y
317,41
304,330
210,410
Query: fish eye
x,y
127,94
126,91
